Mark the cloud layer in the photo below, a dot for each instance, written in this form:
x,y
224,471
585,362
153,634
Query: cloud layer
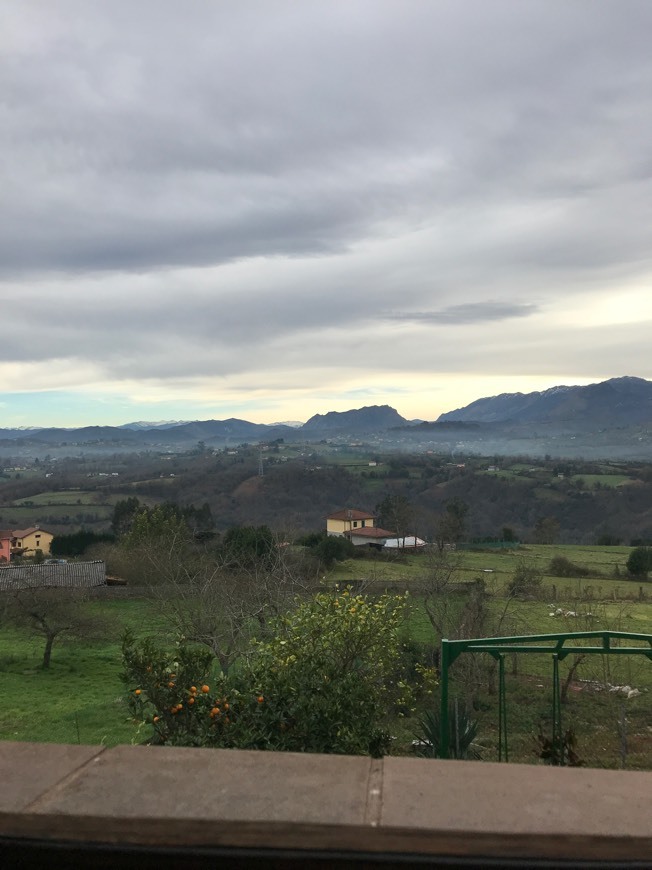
x,y
278,207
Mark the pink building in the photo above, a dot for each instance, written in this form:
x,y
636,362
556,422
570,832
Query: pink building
x,y
5,547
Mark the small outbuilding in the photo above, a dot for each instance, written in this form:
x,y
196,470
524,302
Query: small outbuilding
x,y
69,575
405,542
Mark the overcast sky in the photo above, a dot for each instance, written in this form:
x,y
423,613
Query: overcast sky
x,y
271,209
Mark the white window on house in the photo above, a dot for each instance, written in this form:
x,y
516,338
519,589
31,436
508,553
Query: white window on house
x,y
355,524
364,523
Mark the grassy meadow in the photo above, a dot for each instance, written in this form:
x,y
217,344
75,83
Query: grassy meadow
x,y
81,697
68,497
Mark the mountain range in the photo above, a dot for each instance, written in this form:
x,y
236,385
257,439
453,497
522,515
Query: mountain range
x,y
614,404
363,420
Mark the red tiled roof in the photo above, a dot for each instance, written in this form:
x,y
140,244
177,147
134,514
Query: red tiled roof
x,y
367,532
350,514
22,533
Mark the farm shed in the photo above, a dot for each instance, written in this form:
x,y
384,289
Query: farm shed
x,y
75,575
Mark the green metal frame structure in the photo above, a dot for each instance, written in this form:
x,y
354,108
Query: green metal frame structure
x,y
552,644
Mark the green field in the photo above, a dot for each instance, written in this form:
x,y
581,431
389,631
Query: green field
x,y
508,473
604,722
610,480
497,567
81,697
68,497
23,515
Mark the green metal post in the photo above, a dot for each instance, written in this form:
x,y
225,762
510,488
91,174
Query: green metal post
x,y
502,711
534,643
557,733
444,727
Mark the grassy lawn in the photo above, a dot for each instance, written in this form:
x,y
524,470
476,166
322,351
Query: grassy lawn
x,y
80,698
596,718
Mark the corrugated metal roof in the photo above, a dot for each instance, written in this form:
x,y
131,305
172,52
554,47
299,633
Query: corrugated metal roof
x,y
78,575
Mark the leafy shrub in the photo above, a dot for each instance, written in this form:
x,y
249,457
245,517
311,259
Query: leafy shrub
x,y
560,566
327,681
249,543
607,540
462,729
333,672
527,580
328,548
77,543
559,753
640,562
312,539
165,690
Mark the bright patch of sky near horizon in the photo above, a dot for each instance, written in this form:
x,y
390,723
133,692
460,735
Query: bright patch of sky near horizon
x,y
270,210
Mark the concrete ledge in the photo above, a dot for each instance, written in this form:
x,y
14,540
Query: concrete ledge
x,y
206,800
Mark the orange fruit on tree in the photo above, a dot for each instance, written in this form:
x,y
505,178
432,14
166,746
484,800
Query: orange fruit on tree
x,y
205,689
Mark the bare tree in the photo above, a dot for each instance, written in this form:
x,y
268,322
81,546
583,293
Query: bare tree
x,y
220,598
396,513
458,610
437,587
450,525
54,614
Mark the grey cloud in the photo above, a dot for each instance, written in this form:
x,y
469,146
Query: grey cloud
x,y
492,151
471,312
254,135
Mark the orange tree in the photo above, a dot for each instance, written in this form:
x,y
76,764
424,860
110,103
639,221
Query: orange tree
x,y
184,699
330,679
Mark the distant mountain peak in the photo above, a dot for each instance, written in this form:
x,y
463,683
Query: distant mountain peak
x,y
160,424
367,419
617,401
